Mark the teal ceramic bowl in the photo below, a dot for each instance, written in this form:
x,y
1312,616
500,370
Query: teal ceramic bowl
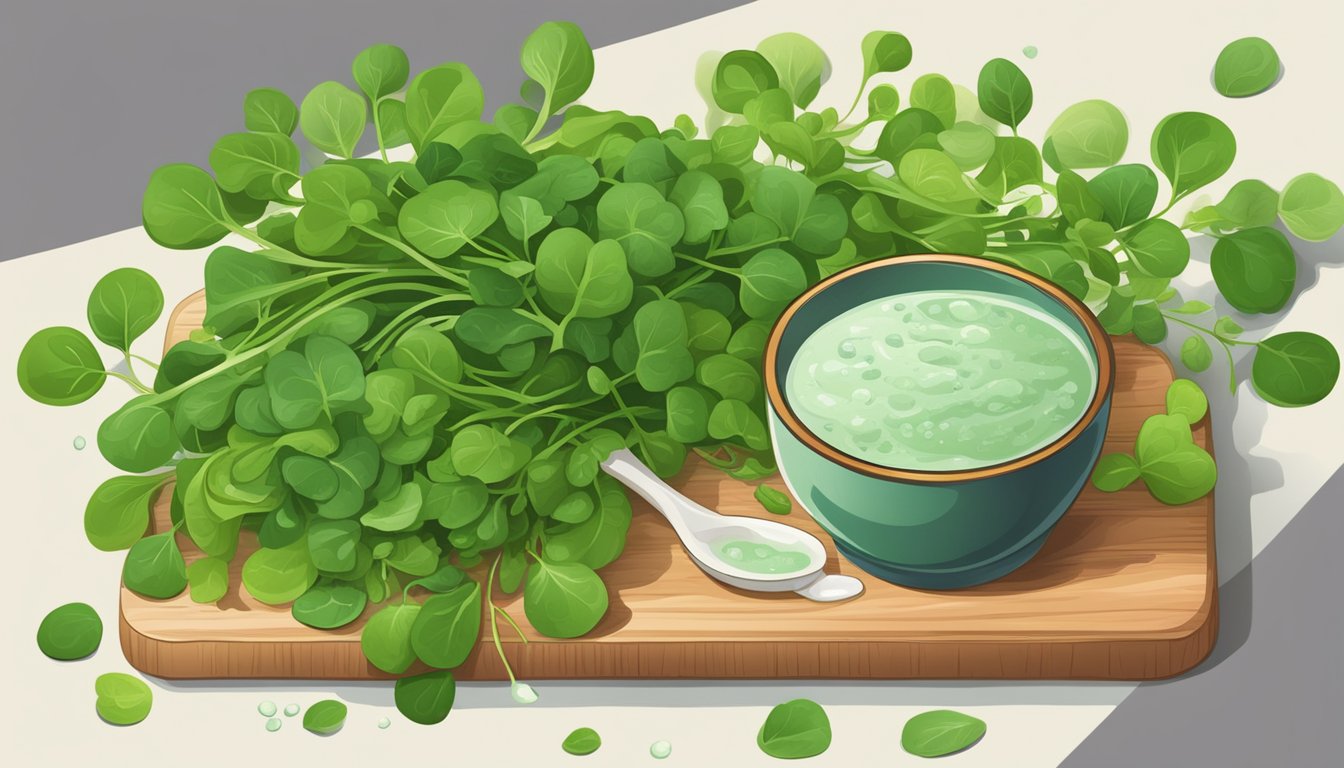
x,y
934,529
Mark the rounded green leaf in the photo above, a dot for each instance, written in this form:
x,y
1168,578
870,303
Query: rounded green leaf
x,y
558,56
940,732
1195,354
138,437
581,741
1089,134
933,175
582,279
1004,92
439,98
700,198
446,216
279,576
446,629
122,699
333,545
1295,369
1249,203
800,63
261,165
426,699
328,606
70,632
1312,207
1115,471
740,77
123,305
662,340
266,110
208,579
770,280
59,366
935,95
1246,67
970,145
883,102
154,567
380,70
1126,194
118,511
1157,248
563,599
1186,399
687,414
885,52
386,639
325,717
795,729
1254,269
332,118
1192,149
182,208
773,501
485,453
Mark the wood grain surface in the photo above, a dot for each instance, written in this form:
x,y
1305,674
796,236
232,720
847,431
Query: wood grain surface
x,y
1124,589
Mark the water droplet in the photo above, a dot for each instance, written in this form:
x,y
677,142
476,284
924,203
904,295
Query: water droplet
x,y
1069,387
894,340
80,442
291,710
733,553
523,693
847,350
1030,51
974,334
273,724
266,708
384,722
966,311
660,749
898,307
928,435
862,396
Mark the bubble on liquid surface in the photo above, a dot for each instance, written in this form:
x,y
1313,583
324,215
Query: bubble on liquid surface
x,y
974,334
894,340
660,749
966,311
847,350
384,722
266,708
291,710
80,442
523,693
273,724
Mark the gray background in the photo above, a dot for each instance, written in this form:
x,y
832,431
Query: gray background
x,y
96,95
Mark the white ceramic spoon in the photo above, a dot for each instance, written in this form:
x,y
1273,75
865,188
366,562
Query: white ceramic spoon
x,y
700,529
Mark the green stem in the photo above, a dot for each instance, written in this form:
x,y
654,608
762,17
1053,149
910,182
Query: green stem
x,y
542,115
708,265
132,381
144,360
414,255
512,623
1226,343
743,248
863,85
494,623
378,130
558,444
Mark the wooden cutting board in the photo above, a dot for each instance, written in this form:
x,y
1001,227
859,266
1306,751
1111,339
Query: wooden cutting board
x,y
1124,589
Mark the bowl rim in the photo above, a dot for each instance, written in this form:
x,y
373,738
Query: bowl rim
x,y
1101,343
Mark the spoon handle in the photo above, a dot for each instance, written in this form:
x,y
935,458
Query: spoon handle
x,y
670,503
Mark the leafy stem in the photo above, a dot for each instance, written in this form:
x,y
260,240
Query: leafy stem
x,y
415,255
494,622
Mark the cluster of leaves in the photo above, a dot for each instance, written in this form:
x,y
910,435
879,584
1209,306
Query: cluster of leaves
x,y
423,357
1165,456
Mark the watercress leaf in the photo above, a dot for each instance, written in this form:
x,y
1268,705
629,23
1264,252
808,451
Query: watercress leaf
x,y
122,699
1249,203
328,606
118,511
491,329
429,355
1186,399
261,165
1192,149
734,144
1192,308
400,512
208,579
1149,325
485,453
1004,92
940,732
707,330
1115,471
138,437
934,94
386,639
968,144
266,110
1076,200
1254,269
700,198
1089,134
123,305
883,102
557,56
583,465
332,544
935,176
1294,369
1312,207
182,208
1195,354
515,120
740,77
443,579
59,366
795,729
154,567
646,226
439,98
910,129
70,632
563,599
1126,194
732,419
1015,163
770,280
600,539
773,501
1157,248
310,477
580,278
885,52
445,630
729,376
415,555
425,698
279,576
1175,470
687,414
782,196
325,717
523,216
661,338
1246,67
446,216
380,70
331,194
799,63
332,118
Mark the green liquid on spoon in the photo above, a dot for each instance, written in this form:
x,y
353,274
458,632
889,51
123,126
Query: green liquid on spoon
x,y
759,557
941,380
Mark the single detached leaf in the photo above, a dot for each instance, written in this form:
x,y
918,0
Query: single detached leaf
x,y
1246,67
1115,471
154,567
427,698
59,366
563,599
1195,353
1186,399
1254,269
122,699
1312,207
123,305
581,741
773,501
795,729
70,632
940,732
325,717
1175,470
1295,369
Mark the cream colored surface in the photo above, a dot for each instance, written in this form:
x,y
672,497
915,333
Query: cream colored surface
x,y
1150,57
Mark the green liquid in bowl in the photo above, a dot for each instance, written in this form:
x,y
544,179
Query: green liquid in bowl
x,y
941,380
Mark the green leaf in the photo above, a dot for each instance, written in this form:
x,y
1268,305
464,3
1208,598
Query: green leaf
x,y
429,355
261,165
646,226
1089,134
310,477
1254,269
485,453
700,198
583,465
1186,399
122,699
661,338
332,544
1115,471
523,216
59,366
934,94
687,415
581,279
933,175
154,567
386,639
266,110
426,698
1157,248
182,208
440,98
1195,354
1004,92
1192,149
445,630
328,606
332,118
325,717
1294,369
70,632
740,77
332,194
799,63
1126,194
795,729
581,741
969,145
491,329
208,579
446,216
118,511
327,377
1149,325
279,576
885,52
399,512
732,419
123,305
380,70
1312,207
883,102
773,501
770,280
783,197
563,599
1014,164
729,376
558,56
1175,470
599,540
138,437
1246,67
940,732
